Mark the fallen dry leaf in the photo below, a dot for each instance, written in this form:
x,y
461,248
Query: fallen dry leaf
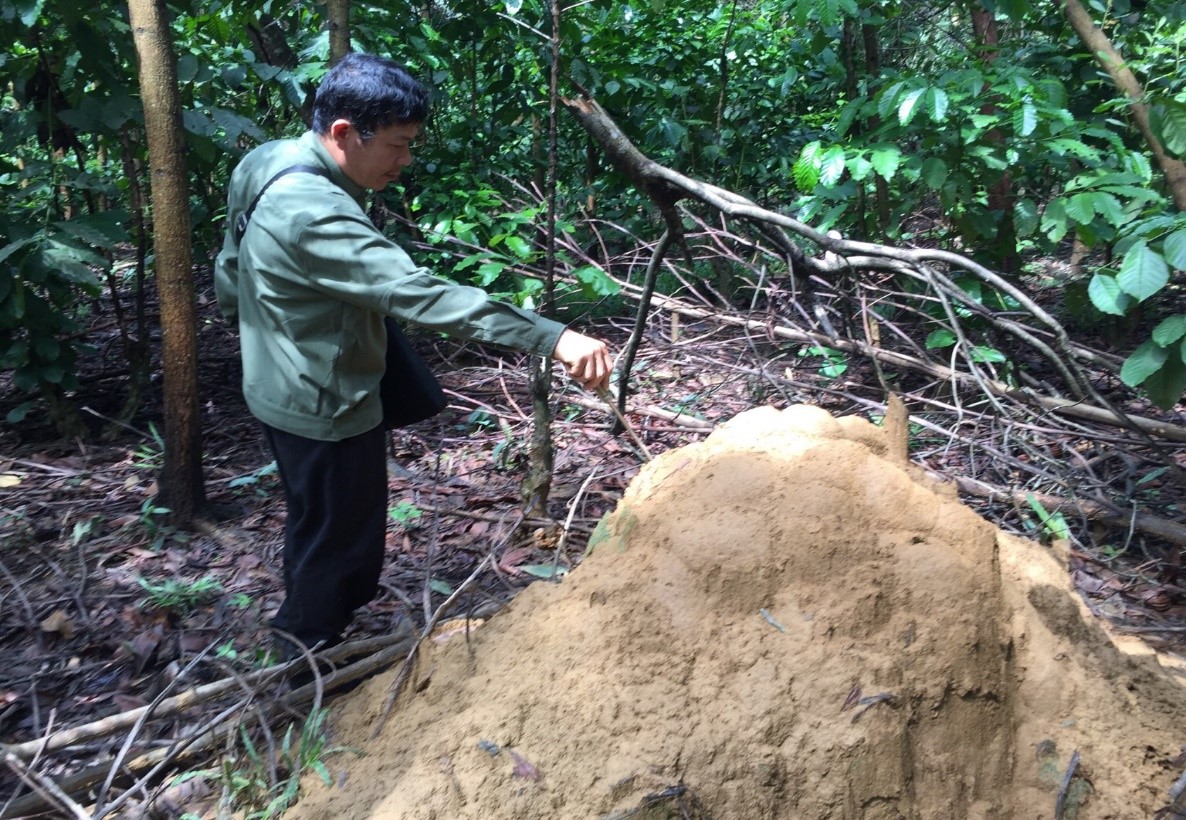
x,y
9,479
58,621
511,559
457,626
523,767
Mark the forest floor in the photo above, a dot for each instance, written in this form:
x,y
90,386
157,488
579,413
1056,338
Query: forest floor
x,y
105,608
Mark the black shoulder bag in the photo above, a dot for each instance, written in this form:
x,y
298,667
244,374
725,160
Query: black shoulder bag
x,y
408,390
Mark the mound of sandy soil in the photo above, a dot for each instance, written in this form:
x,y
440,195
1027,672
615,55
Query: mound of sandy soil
x,y
783,621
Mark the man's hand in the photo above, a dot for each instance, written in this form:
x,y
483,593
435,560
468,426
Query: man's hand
x,y
586,359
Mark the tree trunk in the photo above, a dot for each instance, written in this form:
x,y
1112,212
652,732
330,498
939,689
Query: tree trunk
x,y
1110,60
181,476
537,484
1000,194
337,13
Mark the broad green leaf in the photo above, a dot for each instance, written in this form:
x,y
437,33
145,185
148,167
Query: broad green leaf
x,y
886,161
806,173
1107,296
1143,363
596,281
1170,330
860,167
1063,146
544,571
102,230
440,587
187,68
12,247
934,172
909,106
1054,220
888,98
673,131
1109,208
1175,249
487,273
938,100
1081,207
832,165
29,11
518,247
1143,272
981,353
1165,387
1168,118
1025,120
940,338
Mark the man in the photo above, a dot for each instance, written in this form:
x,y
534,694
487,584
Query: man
x,y
310,280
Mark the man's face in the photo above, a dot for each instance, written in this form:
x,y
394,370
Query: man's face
x,y
375,162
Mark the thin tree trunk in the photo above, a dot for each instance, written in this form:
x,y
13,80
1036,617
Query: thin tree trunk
x,y
337,13
1109,58
181,476
1000,195
537,484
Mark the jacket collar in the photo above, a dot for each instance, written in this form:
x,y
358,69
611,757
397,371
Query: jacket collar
x,y
313,143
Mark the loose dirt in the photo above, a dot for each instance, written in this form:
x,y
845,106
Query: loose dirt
x,y
786,620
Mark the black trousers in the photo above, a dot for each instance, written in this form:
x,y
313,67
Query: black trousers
x,y
336,493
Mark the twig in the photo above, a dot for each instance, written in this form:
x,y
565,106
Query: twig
x,y
1060,802
48,789
572,510
405,670
184,700
605,396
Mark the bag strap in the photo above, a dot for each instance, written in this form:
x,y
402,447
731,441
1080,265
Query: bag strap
x,y
245,217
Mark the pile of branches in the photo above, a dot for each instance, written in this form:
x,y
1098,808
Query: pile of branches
x,y
1039,419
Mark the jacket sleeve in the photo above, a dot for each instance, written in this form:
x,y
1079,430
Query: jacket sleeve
x,y
345,257
226,277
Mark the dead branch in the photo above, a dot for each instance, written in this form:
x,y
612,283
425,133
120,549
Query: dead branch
x,y
841,257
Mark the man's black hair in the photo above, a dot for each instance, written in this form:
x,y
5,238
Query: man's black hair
x,y
371,92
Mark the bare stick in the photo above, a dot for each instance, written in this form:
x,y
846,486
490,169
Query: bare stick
x,y
45,787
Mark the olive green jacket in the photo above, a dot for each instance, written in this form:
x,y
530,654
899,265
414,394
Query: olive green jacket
x,y
310,283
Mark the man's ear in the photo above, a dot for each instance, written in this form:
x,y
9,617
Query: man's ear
x,y
339,130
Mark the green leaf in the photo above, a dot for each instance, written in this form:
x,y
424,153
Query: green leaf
x,y
1170,330
909,106
1143,363
12,247
596,282
1079,150
1165,387
832,165
859,167
543,571
934,172
886,161
1175,249
518,247
981,353
187,68
1081,208
888,98
440,587
1169,122
939,101
1025,120
806,168
1143,272
487,273
1107,296
939,338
